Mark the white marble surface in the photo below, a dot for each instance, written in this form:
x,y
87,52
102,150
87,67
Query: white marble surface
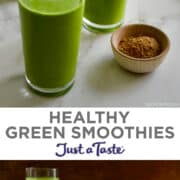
x,y
99,80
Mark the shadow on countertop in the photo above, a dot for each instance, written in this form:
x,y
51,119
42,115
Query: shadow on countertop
x,y
107,76
5,1
14,92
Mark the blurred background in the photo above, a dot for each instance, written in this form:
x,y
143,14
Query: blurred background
x,y
97,170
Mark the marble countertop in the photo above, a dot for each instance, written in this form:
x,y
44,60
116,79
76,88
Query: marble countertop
x,y
100,82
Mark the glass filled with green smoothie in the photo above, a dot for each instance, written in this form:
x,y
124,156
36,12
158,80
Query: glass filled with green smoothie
x,y
51,37
103,15
33,173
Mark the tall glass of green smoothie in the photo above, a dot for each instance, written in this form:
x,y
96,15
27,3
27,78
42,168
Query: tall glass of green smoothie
x,y
103,15
51,37
33,173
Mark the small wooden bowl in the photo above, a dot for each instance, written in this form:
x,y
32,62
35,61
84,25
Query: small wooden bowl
x,y
138,65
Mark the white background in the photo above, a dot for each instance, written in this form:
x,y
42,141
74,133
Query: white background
x,y
45,149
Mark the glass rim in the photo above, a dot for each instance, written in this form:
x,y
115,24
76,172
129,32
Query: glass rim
x,y
41,168
81,4
41,172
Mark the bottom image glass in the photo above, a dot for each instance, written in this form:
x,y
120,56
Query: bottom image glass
x,y
88,170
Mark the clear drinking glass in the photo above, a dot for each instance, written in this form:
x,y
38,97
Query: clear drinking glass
x,y
51,37
103,15
33,173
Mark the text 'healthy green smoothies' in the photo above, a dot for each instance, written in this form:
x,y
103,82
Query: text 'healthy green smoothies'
x,y
51,37
104,15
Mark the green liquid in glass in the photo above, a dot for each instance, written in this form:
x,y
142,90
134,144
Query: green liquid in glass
x,y
42,178
51,36
105,12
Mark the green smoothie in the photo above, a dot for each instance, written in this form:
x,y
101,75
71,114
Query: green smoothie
x,y
42,178
104,12
51,36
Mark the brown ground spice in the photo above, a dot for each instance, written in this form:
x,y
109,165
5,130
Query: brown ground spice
x,y
140,47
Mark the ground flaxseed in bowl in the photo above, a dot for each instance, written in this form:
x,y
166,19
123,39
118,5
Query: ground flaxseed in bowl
x,y
140,46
